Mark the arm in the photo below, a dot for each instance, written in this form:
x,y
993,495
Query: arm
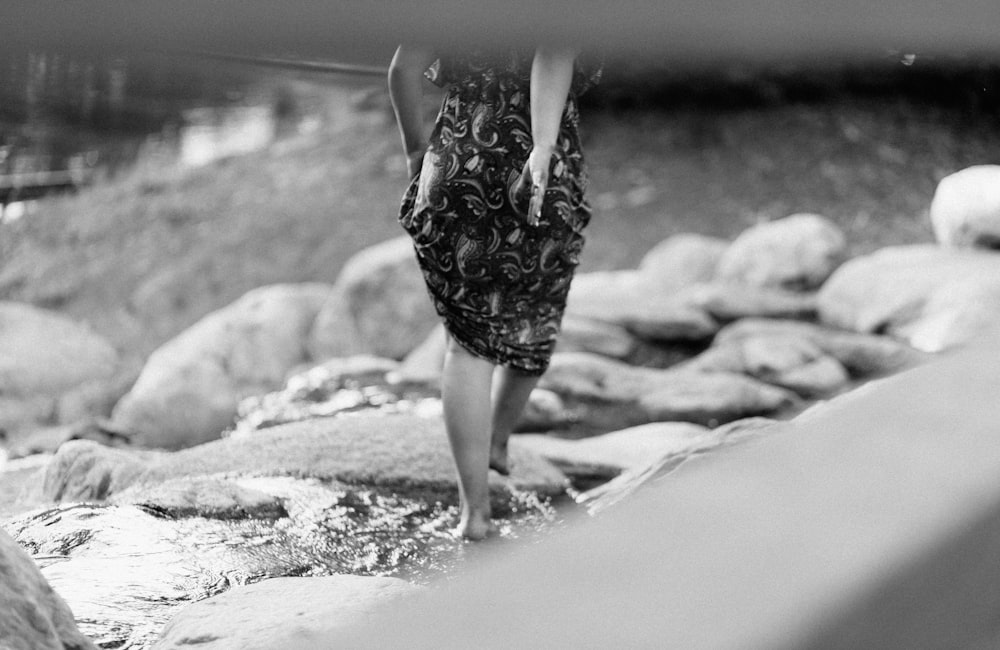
x,y
406,93
551,76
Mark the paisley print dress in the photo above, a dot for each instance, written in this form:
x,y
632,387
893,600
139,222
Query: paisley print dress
x,y
499,284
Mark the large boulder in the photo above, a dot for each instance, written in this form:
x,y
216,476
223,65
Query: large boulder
x,y
798,252
281,613
682,260
379,305
43,357
401,452
189,388
965,211
32,615
626,298
933,297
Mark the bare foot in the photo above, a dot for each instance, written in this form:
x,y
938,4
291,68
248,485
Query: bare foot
x,y
475,527
499,462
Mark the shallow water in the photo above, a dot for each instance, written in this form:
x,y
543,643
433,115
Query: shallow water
x,y
125,572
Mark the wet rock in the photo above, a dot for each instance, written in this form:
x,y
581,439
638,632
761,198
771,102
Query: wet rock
x,y
189,388
863,355
33,616
624,298
83,470
616,393
682,260
798,252
281,612
337,387
965,211
401,452
888,291
213,498
379,305
608,454
788,360
729,302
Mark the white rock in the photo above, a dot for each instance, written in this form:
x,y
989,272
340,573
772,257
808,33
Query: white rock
x,y
627,299
928,295
729,302
682,260
797,252
44,352
652,395
965,211
189,389
33,616
630,448
379,305
282,612
956,314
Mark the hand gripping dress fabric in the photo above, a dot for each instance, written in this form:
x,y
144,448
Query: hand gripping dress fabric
x,y
499,284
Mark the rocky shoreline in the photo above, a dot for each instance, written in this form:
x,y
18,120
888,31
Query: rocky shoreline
x,y
303,420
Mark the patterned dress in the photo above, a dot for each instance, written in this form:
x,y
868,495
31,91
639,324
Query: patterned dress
x,y
499,284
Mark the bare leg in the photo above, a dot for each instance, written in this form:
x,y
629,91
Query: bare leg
x,y
465,392
510,393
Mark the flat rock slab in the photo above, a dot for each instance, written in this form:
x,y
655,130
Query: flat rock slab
x,y
873,524
616,451
599,393
213,498
627,298
281,613
400,452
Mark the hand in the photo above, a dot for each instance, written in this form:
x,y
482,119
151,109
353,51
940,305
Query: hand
x,y
535,172
414,161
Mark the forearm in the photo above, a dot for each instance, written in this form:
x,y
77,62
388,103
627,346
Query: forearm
x,y
551,76
406,93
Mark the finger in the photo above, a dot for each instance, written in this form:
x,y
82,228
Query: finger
x,y
521,187
538,187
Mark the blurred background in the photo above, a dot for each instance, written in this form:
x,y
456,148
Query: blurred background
x,y
143,189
